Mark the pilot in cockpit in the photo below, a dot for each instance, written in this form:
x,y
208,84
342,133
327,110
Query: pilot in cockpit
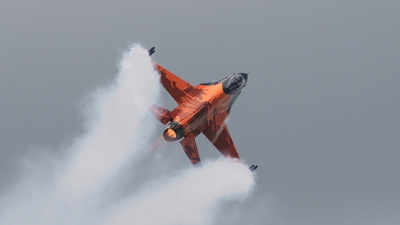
x,y
235,82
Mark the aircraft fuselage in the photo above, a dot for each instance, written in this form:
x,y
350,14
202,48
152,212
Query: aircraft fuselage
x,y
200,106
203,108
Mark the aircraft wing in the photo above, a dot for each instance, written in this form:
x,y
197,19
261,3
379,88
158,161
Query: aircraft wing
x,y
218,134
176,87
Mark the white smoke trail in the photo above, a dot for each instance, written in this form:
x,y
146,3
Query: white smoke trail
x,y
74,190
115,129
187,198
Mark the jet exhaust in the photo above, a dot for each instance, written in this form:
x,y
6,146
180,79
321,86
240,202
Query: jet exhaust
x,y
173,132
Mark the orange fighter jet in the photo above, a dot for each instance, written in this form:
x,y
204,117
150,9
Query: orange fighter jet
x,y
201,109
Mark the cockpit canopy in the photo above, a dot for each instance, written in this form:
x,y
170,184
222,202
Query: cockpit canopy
x,y
235,82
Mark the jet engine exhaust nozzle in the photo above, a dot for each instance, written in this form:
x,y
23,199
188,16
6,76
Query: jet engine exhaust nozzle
x,y
173,132
169,135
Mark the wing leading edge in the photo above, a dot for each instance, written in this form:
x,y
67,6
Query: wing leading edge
x,y
175,86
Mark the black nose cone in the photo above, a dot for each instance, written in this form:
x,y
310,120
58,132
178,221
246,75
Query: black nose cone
x,y
245,75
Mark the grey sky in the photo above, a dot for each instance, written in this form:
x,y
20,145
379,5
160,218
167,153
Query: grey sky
x,y
320,114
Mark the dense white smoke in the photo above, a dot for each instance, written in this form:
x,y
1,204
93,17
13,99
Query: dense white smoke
x,y
187,198
86,186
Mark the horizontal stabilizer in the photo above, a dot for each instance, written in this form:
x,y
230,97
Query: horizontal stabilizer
x,y
161,114
190,148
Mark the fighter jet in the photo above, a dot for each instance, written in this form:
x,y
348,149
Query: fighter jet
x,y
203,108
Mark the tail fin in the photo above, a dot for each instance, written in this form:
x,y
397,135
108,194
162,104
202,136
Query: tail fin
x,y
161,114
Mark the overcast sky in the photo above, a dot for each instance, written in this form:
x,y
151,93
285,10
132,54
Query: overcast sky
x,y
320,113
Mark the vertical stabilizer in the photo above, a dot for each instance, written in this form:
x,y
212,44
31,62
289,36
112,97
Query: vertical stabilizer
x,y
161,114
